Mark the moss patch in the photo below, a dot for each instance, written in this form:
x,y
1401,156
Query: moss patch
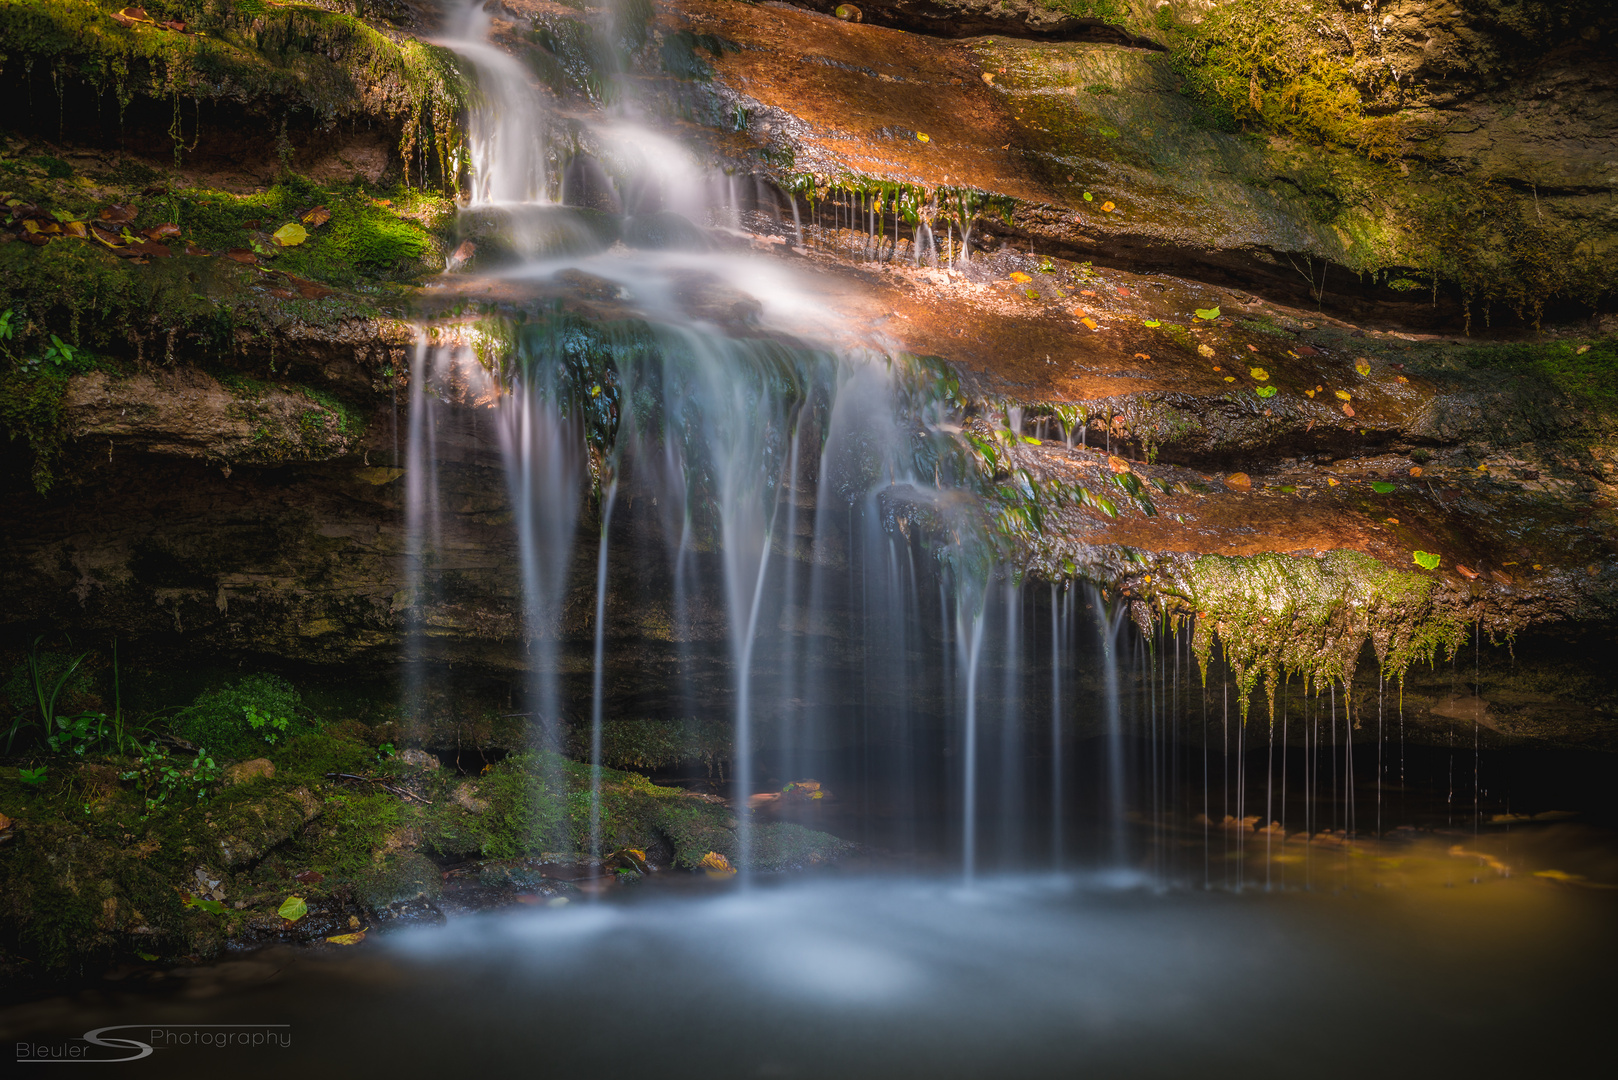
x,y
1275,615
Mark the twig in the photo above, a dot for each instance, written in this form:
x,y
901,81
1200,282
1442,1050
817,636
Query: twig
x,y
403,793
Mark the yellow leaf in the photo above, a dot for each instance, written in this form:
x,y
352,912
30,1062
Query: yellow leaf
x,y
1344,395
1108,207
1363,366
291,235
1091,323
1309,393
716,865
1230,378
1330,482
1206,351
1019,277
922,138
347,939
1260,374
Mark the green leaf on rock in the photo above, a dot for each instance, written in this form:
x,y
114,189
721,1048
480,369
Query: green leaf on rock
x,y
1266,391
1427,560
212,907
1208,314
1153,323
293,908
291,235
1382,487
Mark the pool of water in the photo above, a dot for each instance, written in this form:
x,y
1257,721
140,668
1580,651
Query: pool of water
x,y
1432,955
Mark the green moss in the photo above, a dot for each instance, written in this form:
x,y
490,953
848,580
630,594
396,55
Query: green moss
x,y
31,409
245,717
1274,616
267,59
660,744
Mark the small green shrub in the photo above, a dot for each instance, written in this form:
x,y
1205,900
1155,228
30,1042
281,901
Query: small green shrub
x,y
245,717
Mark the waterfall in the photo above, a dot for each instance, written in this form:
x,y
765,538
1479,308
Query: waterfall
x,y
690,449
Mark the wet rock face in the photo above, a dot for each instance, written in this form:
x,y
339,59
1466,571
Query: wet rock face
x,y
1470,146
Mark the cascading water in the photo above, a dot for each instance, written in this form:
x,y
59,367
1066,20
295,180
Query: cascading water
x,y
702,438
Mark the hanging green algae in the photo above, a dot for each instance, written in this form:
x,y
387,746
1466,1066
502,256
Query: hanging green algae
x,y
1276,615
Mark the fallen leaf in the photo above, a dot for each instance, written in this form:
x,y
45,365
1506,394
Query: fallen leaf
x,y
1266,391
1343,395
1239,480
1426,560
1151,323
1208,314
192,249
1259,373
1230,378
1401,378
1391,521
241,255
316,218
922,138
1363,366
1466,572
1108,207
1218,368
161,232
1205,351
716,866
1332,482
1382,487
1117,464
1143,356
1309,393
117,213
1019,277
1087,196
309,877
1581,350
1348,410
347,939
291,235
1501,576
1252,348
75,228
1415,470
1087,292
1091,323
293,908
1122,291
988,77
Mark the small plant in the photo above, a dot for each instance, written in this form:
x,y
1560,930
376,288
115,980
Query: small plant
x,y
32,777
243,717
70,733
165,780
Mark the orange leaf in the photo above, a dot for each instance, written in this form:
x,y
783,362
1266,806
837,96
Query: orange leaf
x,y
1467,572
161,232
1239,480
1348,410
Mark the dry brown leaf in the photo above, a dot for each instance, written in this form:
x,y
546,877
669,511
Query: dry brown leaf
x,y
316,218
1117,464
1239,480
1467,572
161,232
241,255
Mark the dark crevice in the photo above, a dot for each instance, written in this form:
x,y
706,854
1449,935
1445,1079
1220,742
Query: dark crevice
x,y
942,20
